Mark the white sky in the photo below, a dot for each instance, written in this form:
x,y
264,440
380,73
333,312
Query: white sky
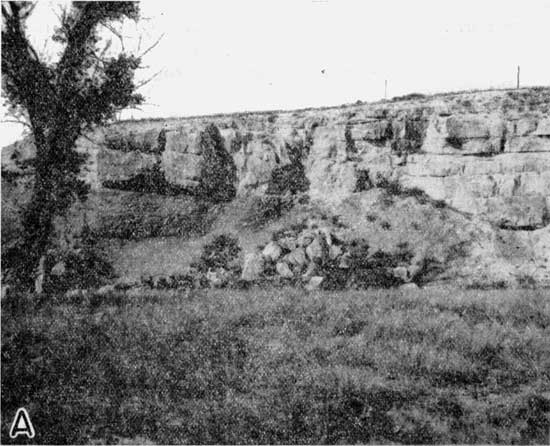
x,y
222,56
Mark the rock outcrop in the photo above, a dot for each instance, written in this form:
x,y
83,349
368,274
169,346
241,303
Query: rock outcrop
x,y
484,154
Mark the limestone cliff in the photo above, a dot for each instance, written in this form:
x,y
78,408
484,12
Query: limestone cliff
x,y
485,154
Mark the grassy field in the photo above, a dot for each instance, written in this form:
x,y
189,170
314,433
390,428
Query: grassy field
x,y
282,366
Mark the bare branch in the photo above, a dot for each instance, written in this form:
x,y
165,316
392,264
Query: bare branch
x,y
152,46
116,33
17,121
146,81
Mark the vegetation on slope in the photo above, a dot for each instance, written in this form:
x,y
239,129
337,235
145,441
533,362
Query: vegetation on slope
x,y
281,366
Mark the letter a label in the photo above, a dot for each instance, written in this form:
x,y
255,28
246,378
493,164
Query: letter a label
x,y
22,424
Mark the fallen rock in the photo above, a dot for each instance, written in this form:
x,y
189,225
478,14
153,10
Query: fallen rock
x,y
218,278
5,291
335,251
288,243
272,251
401,273
253,267
105,289
327,235
77,292
409,287
317,250
314,283
59,269
345,261
125,284
310,272
284,270
305,238
296,257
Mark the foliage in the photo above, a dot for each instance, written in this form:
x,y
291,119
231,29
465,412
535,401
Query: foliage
x,y
218,175
282,367
131,142
87,266
219,253
265,208
290,178
148,180
60,101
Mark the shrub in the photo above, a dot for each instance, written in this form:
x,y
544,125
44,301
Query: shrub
x,y
454,141
148,142
219,253
86,266
409,97
266,208
219,174
148,180
363,181
290,178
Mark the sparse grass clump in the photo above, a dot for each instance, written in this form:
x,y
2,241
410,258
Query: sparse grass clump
x,y
282,366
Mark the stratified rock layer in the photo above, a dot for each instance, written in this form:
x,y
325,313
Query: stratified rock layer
x,y
485,154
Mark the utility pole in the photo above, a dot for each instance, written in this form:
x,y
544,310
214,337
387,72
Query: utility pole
x,y
385,89
518,78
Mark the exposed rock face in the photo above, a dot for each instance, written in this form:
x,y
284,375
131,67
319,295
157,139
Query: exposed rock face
x,y
483,153
486,154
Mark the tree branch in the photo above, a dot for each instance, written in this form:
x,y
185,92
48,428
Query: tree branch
x,y
152,46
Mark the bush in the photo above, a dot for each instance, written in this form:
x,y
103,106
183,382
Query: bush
x,y
147,142
266,208
290,178
219,253
86,266
219,174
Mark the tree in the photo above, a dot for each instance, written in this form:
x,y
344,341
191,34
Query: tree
x,y
60,101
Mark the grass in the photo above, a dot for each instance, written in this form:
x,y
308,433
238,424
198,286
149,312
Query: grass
x,y
281,366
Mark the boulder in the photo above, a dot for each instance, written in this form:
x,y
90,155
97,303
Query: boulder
x,y
296,257
314,283
218,278
288,243
317,250
327,235
345,261
310,271
335,251
409,287
59,269
402,273
75,293
105,290
305,238
284,270
125,284
253,267
272,252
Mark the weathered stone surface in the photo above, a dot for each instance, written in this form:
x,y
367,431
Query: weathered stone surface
x,y
317,250
401,273
117,166
272,251
335,251
253,267
314,283
283,270
217,278
105,290
58,269
181,160
296,257
527,211
409,287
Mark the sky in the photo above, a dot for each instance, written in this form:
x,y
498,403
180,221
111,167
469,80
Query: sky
x,y
241,55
